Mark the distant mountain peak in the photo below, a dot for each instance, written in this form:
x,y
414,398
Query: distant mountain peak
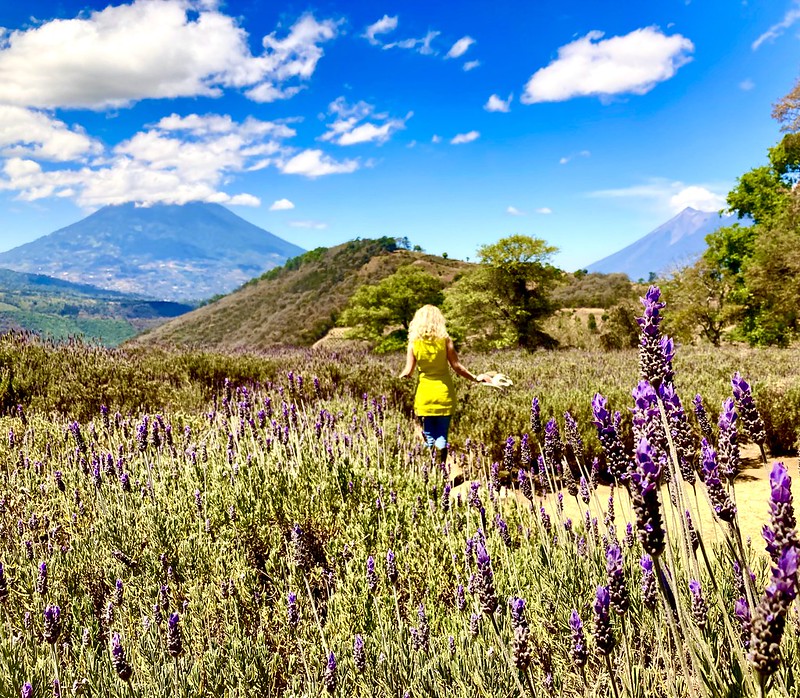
x,y
173,252
679,241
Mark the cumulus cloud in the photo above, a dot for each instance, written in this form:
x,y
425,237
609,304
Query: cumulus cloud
x,y
495,103
179,159
544,210
314,163
281,205
670,196
791,17
513,211
171,48
461,138
746,85
459,48
384,25
359,123
34,134
422,45
629,64
436,138
471,65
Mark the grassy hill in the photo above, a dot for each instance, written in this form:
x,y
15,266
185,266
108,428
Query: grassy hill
x,y
60,309
295,304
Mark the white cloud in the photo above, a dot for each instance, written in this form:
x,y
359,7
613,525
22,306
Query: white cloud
x,y
384,25
670,196
746,85
544,210
422,45
30,133
471,65
179,159
281,205
465,137
459,48
495,103
315,225
350,126
314,163
791,17
633,63
583,154
697,197
436,139
512,211
148,49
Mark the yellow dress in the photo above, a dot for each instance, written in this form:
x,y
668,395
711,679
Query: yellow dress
x,y
436,394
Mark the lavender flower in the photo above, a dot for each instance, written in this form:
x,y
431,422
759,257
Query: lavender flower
x,y
41,580
702,418
536,419
391,568
461,601
59,479
699,605
553,448
520,648
525,484
573,437
603,636
423,635
609,437
474,624
578,650
508,455
781,533
647,419
728,446
655,363
359,655
372,576
118,592
741,609
615,572
329,678
118,659
644,495
517,608
769,617
720,501
445,500
751,419
302,557
292,613
694,539
27,690
681,432
174,637
502,528
485,580
52,624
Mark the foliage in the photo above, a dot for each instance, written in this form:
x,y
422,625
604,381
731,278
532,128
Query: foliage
x,y
592,290
502,302
787,110
390,303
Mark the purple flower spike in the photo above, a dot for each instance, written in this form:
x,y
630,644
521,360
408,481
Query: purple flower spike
x,y
372,576
174,637
27,690
699,605
720,501
330,674
609,437
118,659
517,606
702,418
751,419
728,440
391,567
781,533
649,584
603,637
485,580
536,418
578,651
359,655
644,494
52,624
291,609
617,588
655,356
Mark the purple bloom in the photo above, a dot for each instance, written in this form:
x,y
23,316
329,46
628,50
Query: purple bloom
x,y
649,584
741,609
699,605
615,572
728,446
702,418
578,650
781,533
517,606
525,485
609,437
27,690
302,557
553,448
52,624
41,579
174,637
329,677
655,352
372,576
603,636
485,580
644,495
391,568
520,647
751,419
461,601
291,609
422,636
536,419
681,432
720,501
118,659
359,655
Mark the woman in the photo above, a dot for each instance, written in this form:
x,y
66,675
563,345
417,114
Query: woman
x,y
431,350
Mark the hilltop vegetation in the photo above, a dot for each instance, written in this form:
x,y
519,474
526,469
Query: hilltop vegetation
x,y
298,303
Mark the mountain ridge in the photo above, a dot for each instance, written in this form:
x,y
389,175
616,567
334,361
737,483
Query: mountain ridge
x,y
171,252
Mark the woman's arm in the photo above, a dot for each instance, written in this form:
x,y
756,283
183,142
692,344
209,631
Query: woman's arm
x,y
452,359
411,363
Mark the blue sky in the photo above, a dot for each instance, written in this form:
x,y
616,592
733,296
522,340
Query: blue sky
x,y
453,124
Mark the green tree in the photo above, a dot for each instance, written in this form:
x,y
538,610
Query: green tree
x,y
501,302
390,304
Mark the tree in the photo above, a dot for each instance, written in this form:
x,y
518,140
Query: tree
x,y
786,110
501,302
391,303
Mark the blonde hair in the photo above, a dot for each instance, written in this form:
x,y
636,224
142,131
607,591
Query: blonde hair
x,y
428,323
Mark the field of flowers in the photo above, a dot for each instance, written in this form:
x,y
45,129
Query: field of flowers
x,y
192,525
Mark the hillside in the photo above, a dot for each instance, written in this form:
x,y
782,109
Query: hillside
x,y
295,304
679,241
59,309
169,252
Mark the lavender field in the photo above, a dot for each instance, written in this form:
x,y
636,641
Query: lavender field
x,y
284,533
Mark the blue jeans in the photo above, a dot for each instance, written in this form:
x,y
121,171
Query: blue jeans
x,y
434,429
